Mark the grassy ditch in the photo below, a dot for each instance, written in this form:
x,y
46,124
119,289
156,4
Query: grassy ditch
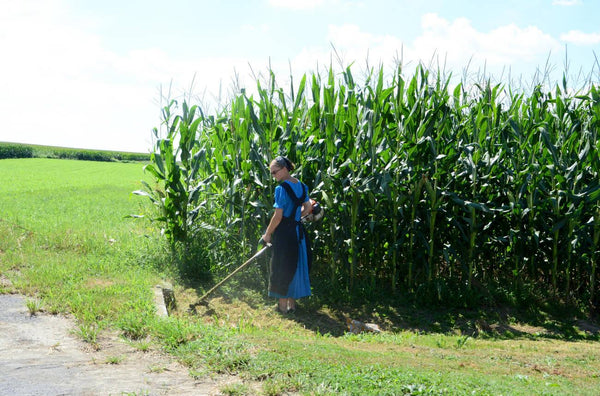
x,y
67,244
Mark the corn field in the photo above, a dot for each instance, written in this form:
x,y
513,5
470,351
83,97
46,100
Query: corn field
x,y
427,189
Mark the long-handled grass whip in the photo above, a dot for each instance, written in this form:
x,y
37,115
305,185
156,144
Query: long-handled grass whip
x,y
238,269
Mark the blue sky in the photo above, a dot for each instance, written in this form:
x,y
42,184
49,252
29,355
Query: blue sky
x,y
89,74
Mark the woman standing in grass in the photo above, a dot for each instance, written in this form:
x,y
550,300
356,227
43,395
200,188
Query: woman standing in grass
x,y
292,257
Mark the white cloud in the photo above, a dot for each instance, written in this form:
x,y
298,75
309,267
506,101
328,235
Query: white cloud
x,y
458,41
578,37
352,44
451,45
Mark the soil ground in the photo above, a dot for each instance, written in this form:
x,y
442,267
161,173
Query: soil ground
x,y
39,355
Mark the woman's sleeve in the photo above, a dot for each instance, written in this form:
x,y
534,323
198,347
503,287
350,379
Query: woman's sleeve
x,y
279,198
307,196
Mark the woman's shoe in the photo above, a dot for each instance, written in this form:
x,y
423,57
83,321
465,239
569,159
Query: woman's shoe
x,y
287,311
278,310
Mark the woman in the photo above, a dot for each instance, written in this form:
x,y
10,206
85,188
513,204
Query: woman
x,y
291,258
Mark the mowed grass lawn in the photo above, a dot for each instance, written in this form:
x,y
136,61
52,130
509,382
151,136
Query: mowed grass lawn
x,y
66,241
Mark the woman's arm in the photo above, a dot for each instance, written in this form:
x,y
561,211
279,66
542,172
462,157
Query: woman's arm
x,y
275,220
306,209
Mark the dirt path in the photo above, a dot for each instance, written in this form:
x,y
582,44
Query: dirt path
x,y
40,356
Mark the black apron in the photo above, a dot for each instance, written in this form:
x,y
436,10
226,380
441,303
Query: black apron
x,y
285,243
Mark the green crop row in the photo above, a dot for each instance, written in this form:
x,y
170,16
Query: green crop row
x,y
438,191
17,150
9,150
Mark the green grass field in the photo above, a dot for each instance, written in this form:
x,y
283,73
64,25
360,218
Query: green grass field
x,y
66,238
66,241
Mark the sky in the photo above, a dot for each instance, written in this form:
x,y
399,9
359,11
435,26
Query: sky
x,y
94,74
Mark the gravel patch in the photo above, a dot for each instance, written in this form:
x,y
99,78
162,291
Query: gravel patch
x,y
39,355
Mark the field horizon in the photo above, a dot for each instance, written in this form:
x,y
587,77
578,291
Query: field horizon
x,y
27,150
54,146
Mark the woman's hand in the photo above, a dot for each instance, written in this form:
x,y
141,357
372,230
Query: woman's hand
x,y
306,209
266,238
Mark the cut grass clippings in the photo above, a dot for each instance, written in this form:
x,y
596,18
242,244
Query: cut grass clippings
x,y
288,357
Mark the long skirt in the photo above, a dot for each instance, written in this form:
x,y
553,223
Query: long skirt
x,y
300,285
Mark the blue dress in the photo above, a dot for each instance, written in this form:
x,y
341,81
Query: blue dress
x,y
300,285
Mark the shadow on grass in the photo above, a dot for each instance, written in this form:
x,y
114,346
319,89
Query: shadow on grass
x,y
323,315
332,323
485,322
